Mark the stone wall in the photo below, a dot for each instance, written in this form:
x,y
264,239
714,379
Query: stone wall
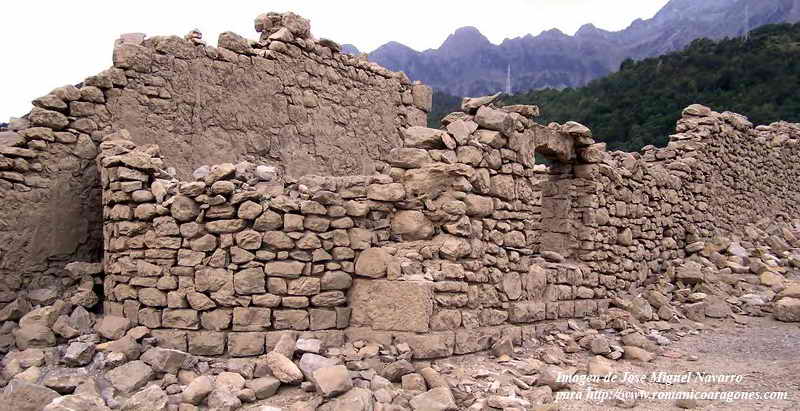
x,y
223,260
717,174
445,239
287,100
438,250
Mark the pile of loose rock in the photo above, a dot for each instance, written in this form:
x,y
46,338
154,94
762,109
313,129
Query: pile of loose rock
x,y
753,275
131,372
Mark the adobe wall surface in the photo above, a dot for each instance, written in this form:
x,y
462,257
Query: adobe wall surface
x,y
291,103
49,209
287,100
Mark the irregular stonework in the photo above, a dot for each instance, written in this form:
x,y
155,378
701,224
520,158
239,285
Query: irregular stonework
x,y
226,258
474,243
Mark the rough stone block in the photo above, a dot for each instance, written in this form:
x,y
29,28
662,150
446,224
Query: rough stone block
x,y
206,343
478,339
429,346
245,344
392,305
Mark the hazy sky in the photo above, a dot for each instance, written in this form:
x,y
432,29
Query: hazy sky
x,y
47,44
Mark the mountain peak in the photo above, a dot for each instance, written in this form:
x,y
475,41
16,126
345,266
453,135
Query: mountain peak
x,y
463,41
553,33
467,31
467,63
587,29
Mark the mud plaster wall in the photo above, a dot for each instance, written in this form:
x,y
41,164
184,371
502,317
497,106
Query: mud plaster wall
x,y
305,110
49,205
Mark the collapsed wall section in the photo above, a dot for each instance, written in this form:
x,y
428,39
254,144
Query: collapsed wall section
x,y
462,241
211,265
438,251
478,217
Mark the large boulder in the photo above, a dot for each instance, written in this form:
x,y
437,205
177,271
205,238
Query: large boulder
x,y
309,363
184,208
23,396
78,402
357,399
471,104
332,381
223,400
283,368
112,327
437,399
78,354
690,273
787,309
264,387
407,157
150,398
164,360
197,390
131,376
34,336
424,137
637,354
494,119
554,144
372,263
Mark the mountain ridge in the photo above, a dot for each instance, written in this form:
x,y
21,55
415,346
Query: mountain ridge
x,y
467,63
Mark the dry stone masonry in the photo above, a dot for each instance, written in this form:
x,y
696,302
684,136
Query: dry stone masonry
x,y
459,241
335,211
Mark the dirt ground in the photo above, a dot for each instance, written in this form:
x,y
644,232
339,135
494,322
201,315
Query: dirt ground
x,y
764,352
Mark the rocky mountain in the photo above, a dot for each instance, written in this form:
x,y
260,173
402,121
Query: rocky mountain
x,y
467,63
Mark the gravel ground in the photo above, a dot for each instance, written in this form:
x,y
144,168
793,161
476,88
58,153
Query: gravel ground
x,y
763,352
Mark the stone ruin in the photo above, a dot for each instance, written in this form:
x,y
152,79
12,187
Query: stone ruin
x,y
333,211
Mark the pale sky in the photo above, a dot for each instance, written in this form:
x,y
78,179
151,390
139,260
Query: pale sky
x,y
47,44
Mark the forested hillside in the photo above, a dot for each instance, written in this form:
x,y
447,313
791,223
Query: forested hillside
x,y
639,105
